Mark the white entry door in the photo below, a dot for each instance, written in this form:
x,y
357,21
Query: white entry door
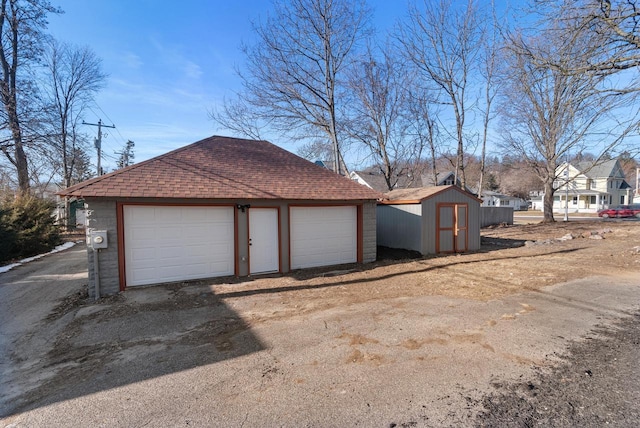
x,y
263,240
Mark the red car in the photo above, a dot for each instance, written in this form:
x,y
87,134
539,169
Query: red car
x,y
635,209
617,212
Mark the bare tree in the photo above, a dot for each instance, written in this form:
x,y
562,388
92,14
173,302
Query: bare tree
x,y
21,25
292,78
73,76
83,170
444,43
613,22
548,113
238,115
317,150
423,128
378,115
488,70
516,179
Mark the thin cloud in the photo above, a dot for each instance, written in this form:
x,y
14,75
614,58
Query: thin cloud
x,y
131,60
173,57
192,70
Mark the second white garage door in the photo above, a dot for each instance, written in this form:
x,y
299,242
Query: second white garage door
x,y
323,236
165,244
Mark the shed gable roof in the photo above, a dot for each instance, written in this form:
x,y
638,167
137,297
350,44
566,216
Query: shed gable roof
x,y
225,168
417,195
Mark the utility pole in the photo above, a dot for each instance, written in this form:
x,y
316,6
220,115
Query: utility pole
x,y
566,191
98,141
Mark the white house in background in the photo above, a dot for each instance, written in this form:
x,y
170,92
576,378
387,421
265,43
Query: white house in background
x,y
536,200
373,178
495,199
590,187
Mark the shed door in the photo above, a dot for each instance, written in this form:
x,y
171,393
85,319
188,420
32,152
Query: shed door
x,y
461,228
452,228
323,236
165,244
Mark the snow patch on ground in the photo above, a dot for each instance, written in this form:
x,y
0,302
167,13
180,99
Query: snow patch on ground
x,y
59,248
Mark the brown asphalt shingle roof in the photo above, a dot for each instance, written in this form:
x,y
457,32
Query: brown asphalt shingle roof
x,y
224,168
419,194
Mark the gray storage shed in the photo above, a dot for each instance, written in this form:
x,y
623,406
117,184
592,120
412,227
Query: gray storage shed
x,y
431,220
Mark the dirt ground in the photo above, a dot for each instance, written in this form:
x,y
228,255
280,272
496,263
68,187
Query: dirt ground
x,y
512,259
595,385
366,312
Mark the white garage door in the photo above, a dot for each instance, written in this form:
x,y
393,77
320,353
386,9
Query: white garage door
x,y
323,236
164,244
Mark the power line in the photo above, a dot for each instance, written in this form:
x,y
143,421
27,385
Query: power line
x,y
124,140
106,154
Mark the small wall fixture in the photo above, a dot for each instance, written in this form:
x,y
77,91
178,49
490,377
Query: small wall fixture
x,y
243,207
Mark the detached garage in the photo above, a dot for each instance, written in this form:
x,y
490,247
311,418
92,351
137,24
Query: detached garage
x,y
430,220
220,207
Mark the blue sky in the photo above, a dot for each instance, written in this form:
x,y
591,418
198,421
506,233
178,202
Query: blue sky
x,y
168,63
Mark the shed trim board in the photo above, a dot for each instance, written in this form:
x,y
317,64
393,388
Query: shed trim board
x,y
274,250
400,202
459,223
124,260
348,247
359,233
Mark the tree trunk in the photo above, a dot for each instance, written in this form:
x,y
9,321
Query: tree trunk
x,y
20,156
460,165
22,168
548,202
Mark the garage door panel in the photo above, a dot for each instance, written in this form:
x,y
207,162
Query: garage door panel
x,y
166,254
166,232
144,253
141,274
323,236
195,216
143,234
178,272
164,244
191,232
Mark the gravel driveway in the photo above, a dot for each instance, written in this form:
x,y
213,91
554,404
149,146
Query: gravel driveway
x,y
205,355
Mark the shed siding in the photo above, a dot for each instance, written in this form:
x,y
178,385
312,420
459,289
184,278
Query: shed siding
x,y
429,219
398,226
